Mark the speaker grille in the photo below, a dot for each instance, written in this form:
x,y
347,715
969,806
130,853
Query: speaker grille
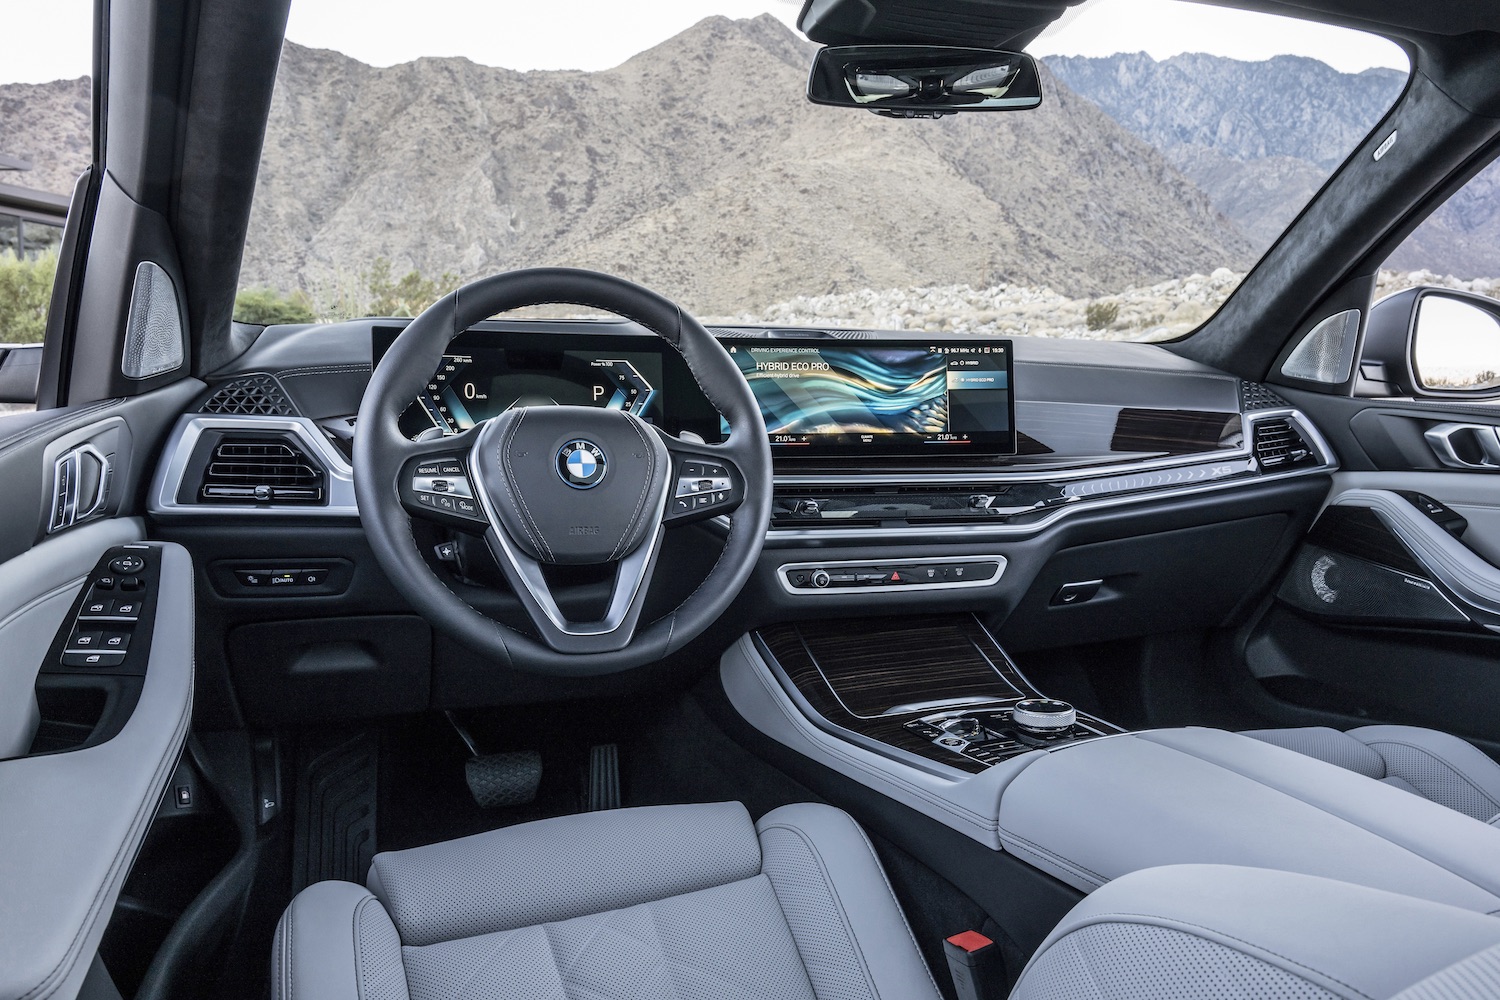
x,y
153,330
1334,585
1326,354
260,470
258,395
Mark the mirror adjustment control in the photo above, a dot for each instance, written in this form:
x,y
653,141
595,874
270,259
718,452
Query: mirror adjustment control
x,y
127,565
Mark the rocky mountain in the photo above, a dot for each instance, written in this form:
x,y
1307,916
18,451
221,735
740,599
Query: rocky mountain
x,y
1261,138
696,168
47,124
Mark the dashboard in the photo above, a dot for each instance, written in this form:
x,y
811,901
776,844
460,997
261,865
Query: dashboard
x,y
1096,476
819,396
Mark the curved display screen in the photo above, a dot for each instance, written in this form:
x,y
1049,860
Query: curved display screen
x,y
892,397
819,396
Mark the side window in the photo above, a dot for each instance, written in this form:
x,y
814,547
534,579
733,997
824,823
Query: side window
x,y
45,143
1449,268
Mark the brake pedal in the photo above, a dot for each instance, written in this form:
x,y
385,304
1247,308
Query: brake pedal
x,y
504,779
604,778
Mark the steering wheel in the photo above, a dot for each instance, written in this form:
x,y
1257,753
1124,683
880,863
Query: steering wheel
x,y
562,485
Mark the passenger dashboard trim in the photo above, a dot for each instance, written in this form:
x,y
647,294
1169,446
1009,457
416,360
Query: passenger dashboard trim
x,y
1225,470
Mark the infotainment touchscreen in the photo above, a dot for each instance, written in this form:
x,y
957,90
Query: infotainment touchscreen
x,y
882,397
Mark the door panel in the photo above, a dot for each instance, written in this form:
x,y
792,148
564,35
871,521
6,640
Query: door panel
x,y
87,742
36,590
1390,611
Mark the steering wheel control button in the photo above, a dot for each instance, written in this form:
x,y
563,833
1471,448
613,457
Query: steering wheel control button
x,y
126,565
582,464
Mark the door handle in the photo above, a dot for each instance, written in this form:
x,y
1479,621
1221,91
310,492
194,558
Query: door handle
x,y
1465,446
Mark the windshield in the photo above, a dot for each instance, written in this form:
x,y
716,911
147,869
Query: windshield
x,y
401,160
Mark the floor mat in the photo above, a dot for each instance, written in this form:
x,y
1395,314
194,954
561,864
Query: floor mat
x,y
336,810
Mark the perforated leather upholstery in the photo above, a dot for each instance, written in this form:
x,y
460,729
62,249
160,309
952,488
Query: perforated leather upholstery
x,y
1208,931
666,902
1432,764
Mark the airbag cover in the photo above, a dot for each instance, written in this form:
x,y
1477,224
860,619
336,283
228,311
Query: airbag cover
x,y
572,485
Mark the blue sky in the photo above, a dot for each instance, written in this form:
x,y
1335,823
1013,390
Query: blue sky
x,y
596,34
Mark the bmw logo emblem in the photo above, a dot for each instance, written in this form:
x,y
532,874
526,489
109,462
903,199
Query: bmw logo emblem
x,y
581,464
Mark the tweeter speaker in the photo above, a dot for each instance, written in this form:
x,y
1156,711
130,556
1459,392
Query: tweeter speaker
x,y
153,330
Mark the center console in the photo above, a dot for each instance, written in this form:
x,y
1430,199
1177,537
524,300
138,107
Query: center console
x,y
938,689
931,713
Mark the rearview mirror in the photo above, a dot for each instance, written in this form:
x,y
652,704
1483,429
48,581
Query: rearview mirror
x,y
923,81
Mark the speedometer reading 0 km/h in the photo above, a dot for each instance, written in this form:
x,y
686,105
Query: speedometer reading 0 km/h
x,y
467,390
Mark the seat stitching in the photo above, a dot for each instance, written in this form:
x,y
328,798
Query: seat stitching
x,y
1050,855
539,539
640,502
1441,761
1174,923
1328,811
838,901
359,953
291,953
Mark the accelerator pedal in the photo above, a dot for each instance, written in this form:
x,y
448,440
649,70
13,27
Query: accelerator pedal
x,y
603,791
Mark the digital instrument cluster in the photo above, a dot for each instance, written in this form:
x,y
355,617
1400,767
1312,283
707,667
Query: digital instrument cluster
x,y
819,396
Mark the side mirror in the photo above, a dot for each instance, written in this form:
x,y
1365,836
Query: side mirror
x,y
923,81
1455,343
1432,342
20,368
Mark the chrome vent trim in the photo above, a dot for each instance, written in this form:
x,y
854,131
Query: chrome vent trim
x,y
187,440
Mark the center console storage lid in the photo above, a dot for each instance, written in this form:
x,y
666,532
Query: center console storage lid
x,y
1098,810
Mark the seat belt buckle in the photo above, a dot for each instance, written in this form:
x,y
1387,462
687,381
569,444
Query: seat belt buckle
x,y
973,962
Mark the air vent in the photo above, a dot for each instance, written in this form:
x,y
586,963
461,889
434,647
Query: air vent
x,y
256,395
1277,443
260,470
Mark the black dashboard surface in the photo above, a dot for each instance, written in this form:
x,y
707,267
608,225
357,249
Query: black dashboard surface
x,y
1076,403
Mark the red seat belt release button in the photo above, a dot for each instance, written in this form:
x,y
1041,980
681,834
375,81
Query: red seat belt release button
x,y
973,961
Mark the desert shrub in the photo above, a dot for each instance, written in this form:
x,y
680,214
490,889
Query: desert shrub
x,y
1101,315
25,292
268,307
404,296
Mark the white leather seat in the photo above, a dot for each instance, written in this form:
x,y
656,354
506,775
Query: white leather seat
x,y
1210,931
1432,764
670,901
